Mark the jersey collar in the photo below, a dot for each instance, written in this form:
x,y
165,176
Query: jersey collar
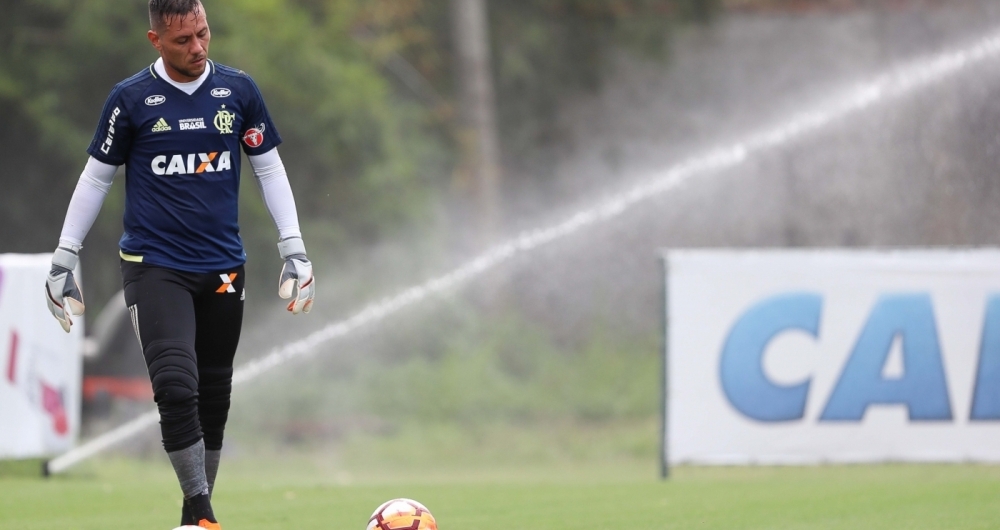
x,y
204,79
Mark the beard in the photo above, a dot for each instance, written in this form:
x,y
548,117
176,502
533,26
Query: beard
x,y
189,71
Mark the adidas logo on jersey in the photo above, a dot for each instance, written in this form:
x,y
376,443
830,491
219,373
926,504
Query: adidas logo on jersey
x,y
161,126
192,164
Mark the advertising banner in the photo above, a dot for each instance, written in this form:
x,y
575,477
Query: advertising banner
x,y
795,357
40,364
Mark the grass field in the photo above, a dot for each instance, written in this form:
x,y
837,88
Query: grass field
x,y
302,493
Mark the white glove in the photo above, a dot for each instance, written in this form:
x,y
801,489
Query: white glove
x,y
296,276
61,290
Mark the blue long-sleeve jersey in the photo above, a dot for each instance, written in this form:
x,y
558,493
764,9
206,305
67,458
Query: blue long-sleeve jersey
x,y
182,165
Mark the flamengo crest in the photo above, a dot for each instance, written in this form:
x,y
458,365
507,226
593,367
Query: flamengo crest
x,y
224,121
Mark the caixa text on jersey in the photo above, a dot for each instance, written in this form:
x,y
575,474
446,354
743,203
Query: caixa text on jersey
x,y
191,163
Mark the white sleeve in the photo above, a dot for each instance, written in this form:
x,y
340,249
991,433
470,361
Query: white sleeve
x,y
92,188
277,192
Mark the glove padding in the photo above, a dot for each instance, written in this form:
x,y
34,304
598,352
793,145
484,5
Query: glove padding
x,y
297,281
62,292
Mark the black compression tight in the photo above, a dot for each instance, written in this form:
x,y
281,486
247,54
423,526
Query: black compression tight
x,y
189,326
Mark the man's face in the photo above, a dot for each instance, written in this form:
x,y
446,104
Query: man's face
x,y
182,41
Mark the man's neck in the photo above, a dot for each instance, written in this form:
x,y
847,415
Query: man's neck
x,y
185,86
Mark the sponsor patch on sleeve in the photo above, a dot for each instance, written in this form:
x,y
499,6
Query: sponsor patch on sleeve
x,y
254,137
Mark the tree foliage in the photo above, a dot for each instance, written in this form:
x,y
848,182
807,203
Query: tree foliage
x,y
543,52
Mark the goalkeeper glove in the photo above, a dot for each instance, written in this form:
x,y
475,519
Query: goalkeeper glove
x,y
62,293
297,281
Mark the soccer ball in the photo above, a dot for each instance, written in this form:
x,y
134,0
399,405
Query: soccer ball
x,y
402,514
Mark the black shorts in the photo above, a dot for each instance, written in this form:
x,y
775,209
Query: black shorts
x,y
189,326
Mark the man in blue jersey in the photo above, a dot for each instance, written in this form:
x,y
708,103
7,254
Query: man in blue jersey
x,y
178,127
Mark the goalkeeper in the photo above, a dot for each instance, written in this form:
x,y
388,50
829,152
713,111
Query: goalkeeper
x,y
178,126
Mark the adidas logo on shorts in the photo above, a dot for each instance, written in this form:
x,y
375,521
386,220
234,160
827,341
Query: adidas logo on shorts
x,y
161,126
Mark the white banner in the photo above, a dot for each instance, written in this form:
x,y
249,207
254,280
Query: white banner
x,y
40,365
788,357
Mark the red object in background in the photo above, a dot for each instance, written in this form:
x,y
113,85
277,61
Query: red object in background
x,y
12,361
52,402
134,388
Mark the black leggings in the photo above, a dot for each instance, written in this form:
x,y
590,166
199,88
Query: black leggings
x,y
189,326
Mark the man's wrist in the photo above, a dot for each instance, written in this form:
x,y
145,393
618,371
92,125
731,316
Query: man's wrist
x,y
292,246
65,258
70,244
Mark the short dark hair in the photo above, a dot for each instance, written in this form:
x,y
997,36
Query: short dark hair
x,y
161,10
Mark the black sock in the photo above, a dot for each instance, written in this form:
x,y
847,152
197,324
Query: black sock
x,y
200,507
186,518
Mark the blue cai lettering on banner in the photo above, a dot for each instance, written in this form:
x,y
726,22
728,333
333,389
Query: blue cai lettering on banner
x,y
986,397
922,388
742,370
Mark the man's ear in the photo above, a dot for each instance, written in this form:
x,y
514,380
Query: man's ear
x,y
154,39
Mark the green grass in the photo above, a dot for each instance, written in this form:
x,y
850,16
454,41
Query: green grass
x,y
506,431
310,492
515,435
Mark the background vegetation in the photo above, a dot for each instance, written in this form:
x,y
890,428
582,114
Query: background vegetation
x,y
500,384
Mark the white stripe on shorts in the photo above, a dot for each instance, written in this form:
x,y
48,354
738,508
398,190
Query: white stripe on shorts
x,y
133,311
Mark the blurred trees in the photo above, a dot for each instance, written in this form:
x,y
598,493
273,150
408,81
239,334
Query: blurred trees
x,y
479,141
362,91
544,51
